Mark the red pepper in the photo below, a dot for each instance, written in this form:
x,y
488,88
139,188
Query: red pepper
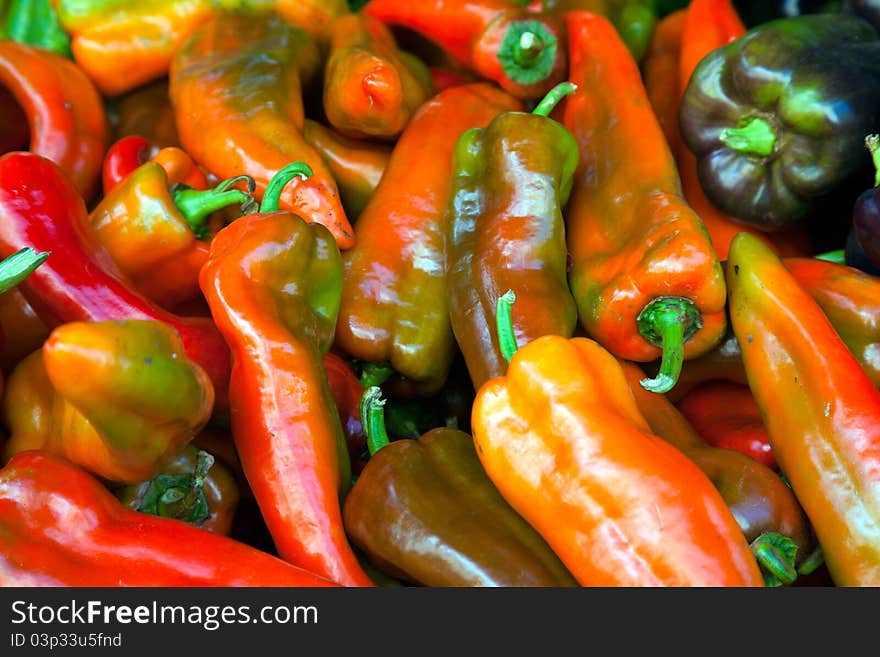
x,y
39,208
123,157
347,390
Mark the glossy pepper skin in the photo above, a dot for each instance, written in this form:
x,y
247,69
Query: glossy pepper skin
x,y
157,234
347,390
424,511
273,283
61,527
40,208
236,87
759,499
636,245
65,113
726,415
394,307
193,487
119,399
371,89
356,165
130,152
776,118
122,45
820,408
660,74
563,440
505,231
35,23
635,20
520,49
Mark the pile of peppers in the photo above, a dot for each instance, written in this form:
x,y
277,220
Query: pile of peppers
x,y
487,293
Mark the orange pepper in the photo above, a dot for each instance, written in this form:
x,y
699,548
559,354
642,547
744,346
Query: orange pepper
x,y
314,16
563,440
660,72
236,86
644,274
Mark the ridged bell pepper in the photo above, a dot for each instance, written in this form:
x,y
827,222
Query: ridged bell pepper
x,y
563,440
122,45
520,49
635,20
145,111
777,118
156,229
505,230
760,501
35,23
819,406
40,208
119,399
194,487
712,24
356,165
725,414
65,113
61,527
272,282
371,88
394,308
424,511
236,85
644,274
660,74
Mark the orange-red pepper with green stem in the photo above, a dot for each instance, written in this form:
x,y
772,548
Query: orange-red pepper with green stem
x,y
644,274
273,282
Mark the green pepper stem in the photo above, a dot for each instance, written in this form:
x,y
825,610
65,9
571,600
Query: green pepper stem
x,y
372,410
668,322
815,559
504,325
553,97
528,52
872,142
272,197
838,256
375,374
196,205
18,266
754,136
776,555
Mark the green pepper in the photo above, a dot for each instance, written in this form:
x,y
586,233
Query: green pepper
x,y
777,118
425,512
510,182
35,23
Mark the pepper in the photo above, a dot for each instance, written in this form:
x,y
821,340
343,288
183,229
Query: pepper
x,y
635,20
645,277
819,406
240,76
14,130
35,23
193,487
120,399
61,527
424,511
505,230
21,329
122,45
371,89
145,111
64,111
763,505
155,229
317,17
520,49
776,118
561,437
726,415
660,74
272,282
356,165
127,154
443,78
346,389
40,208
394,307
866,212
